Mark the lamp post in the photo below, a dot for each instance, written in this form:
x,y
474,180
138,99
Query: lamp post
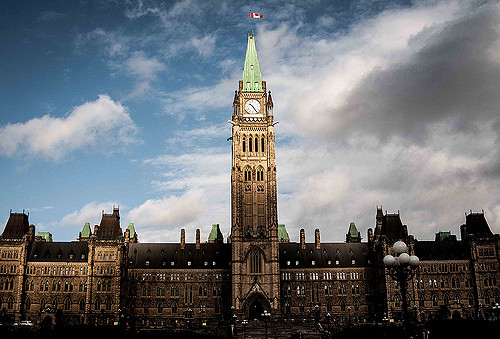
x,y
266,315
244,323
402,268
496,310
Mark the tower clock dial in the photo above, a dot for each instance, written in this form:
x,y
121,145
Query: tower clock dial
x,y
252,106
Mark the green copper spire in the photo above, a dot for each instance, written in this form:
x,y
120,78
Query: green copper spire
x,y
282,233
252,78
131,229
215,234
353,231
86,232
45,235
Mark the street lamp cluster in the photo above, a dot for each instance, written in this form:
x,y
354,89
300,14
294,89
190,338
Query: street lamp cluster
x,y
402,268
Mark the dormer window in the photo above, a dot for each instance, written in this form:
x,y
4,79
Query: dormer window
x,y
189,263
248,85
329,262
147,262
313,262
297,263
256,85
251,66
172,263
288,263
205,263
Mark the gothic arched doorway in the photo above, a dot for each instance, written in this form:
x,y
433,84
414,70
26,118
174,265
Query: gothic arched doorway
x,y
255,310
47,322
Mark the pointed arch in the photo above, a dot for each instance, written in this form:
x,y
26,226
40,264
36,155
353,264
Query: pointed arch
x,y
27,304
174,307
243,143
256,143
55,303
109,303
67,304
81,303
97,304
248,173
250,143
262,144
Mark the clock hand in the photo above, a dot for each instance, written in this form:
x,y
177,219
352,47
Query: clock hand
x,y
253,108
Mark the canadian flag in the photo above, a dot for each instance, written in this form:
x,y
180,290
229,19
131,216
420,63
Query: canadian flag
x,y
255,15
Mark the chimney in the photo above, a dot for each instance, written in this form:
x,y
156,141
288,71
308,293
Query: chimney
x,y
198,246
96,228
183,239
316,239
302,239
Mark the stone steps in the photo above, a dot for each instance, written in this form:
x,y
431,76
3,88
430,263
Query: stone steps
x,y
278,329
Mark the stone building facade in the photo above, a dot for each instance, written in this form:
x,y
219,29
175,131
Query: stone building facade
x,y
108,277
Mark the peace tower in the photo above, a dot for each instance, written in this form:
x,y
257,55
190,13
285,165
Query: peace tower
x,y
254,229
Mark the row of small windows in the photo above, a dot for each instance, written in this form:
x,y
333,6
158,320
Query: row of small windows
x,y
8,269
66,305
10,254
445,282
324,275
329,306
59,255
328,290
58,270
174,308
444,268
105,256
252,144
313,262
172,263
486,251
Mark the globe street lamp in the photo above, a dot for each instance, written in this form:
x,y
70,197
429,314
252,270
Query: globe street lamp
x,y
402,268
266,315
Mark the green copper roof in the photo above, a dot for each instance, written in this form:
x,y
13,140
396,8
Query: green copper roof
x,y
282,233
86,232
46,235
353,231
215,234
252,78
132,229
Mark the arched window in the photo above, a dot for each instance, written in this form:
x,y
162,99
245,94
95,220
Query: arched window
x,y
67,304
328,306
97,304
301,307
486,298
174,307
42,304
260,174
356,305
54,303
397,301
342,305
256,144
108,304
248,174
160,307
27,304
435,300
244,145
82,304
10,303
250,144
216,307
446,299
262,148
255,261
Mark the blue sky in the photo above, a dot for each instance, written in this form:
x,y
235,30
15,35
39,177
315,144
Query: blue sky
x,y
126,103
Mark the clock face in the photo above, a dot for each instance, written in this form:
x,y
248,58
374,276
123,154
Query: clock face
x,y
252,106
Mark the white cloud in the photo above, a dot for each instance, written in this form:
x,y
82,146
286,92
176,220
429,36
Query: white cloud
x,y
168,212
104,123
142,66
91,212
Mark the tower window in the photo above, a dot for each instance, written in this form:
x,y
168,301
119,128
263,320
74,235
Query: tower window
x,y
244,145
256,144
250,144
260,174
248,85
256,85
262,144
255,261
248,175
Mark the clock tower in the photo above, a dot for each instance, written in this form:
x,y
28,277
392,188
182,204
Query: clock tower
x,y
254,229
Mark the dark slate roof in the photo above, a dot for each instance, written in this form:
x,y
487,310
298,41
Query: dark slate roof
x,y
16,227
343,252
476,224
110,226
392,227
160,255
441,250
59,251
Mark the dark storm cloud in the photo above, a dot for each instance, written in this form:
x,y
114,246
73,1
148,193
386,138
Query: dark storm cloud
x,y
455,76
